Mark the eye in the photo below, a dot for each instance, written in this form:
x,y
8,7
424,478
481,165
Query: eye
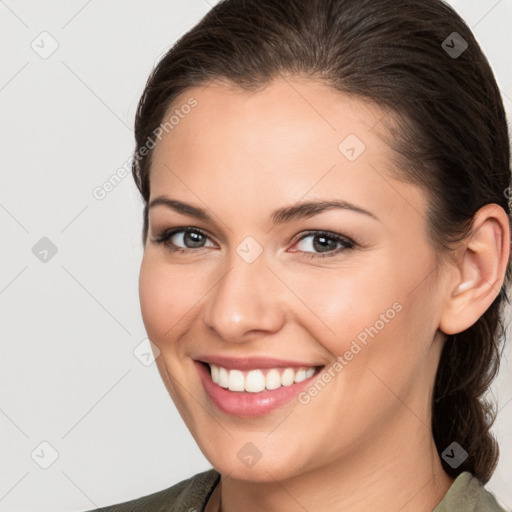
x,y
194,238
324,242
191,238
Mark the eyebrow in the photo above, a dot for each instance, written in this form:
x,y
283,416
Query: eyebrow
x,y
279,216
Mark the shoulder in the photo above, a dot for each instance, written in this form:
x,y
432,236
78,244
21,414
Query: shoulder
x,y
189,495
467,495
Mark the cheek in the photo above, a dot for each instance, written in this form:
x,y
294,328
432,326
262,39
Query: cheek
x,y
342,303
369,314
167,295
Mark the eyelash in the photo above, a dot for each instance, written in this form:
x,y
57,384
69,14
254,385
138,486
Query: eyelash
x,y
164,238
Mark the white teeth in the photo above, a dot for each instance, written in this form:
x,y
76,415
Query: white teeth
x,y
215,373
255,381
300,375
236,380
288,377
223,377
273,379
309,373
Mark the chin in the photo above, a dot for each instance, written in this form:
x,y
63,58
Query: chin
x,y
263,470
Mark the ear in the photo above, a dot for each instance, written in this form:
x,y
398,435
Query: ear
x,y
480,268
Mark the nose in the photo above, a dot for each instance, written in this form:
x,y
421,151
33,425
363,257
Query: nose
x,y
246,302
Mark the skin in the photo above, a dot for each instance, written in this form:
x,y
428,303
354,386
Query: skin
x,y
364,442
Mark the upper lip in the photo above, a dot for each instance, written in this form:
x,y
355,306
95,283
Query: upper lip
x,y
253,363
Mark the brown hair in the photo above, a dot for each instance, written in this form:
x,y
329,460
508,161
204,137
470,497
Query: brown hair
x,y
451,139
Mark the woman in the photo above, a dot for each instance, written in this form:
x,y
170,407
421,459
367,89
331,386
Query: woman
x,y
326,253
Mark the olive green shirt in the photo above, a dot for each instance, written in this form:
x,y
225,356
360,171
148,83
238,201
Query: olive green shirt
x,y
191,495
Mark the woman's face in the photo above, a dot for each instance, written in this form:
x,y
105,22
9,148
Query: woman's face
x,y
253,283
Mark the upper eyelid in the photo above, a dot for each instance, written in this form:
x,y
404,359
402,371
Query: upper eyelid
x,y
169,233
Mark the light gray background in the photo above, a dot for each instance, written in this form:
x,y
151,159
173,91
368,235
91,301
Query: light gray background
x,y
69,376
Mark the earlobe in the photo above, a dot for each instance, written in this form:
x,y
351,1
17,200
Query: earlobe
x,y
480,271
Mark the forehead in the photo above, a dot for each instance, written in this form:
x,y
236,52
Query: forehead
x,y
303,106
293,139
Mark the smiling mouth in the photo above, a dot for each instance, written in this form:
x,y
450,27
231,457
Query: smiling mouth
x,y
258,380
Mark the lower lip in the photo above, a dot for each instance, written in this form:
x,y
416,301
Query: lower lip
x,y
244,403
